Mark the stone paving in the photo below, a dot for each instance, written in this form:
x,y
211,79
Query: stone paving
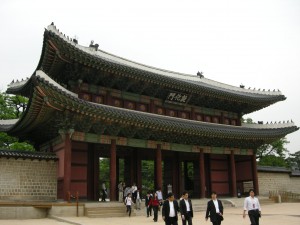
x,y
272,214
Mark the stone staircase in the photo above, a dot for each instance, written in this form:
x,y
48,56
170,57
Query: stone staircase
x,y
102,210
115,209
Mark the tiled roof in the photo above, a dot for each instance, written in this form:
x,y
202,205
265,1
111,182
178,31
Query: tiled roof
x,y
49,93
274,169
27,155
65,60
162,72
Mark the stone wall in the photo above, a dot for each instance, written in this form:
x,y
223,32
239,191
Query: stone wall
x,y
277,181
28,179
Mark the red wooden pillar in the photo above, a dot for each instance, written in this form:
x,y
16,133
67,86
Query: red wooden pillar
x,y
158,167
175,174
193,114
152,106
96,174
180,177
132,168
254,172
139,171
202,174
222,118
233,175
113,170
67,165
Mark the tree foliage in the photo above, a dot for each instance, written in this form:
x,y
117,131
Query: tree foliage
x,y
276,148
273,154
293,161
12,107
272,160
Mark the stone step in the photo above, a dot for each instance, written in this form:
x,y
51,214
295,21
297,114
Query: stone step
x,y
105,212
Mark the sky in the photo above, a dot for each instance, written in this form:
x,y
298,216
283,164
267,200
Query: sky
x,y
254,43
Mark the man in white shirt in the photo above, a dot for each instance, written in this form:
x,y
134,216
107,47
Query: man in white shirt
x,y
133,190
138,200
170,210
214,210
251,204
159,196
186,209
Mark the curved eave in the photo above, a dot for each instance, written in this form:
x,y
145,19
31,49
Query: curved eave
x,y
49,97
66,50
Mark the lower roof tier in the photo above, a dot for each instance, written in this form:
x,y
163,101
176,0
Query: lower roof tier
x,y
52,109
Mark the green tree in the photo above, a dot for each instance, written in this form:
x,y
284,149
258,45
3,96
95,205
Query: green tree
x,y
273,154
293,161
276,148
12,107
272,160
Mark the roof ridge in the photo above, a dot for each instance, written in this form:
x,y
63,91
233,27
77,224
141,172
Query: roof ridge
x,y
163,72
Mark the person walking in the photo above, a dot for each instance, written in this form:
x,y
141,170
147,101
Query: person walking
x,y
186,209
148,207
138,200
104,192
154,204
214,210
133,191
251,204
159,196
128,202
170,210
127,191
120,188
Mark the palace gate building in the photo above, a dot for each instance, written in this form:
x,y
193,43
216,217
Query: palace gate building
x,y
86,104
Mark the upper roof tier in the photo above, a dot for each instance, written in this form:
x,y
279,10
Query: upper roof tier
x,y
63,59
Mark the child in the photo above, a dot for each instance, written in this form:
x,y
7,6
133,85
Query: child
x,y
128,203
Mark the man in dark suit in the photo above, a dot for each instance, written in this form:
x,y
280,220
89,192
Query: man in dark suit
x,y
186,209
170,210
214,210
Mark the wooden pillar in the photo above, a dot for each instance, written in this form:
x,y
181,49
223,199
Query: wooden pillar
x,y
222,118
127,170
152,106
175,175
113,170
239,122
138,171
108,98
96,174
180,178
193,114
132,168
185,177
67,165
254,173
91,174
233,175
158,167
197,184
202,174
